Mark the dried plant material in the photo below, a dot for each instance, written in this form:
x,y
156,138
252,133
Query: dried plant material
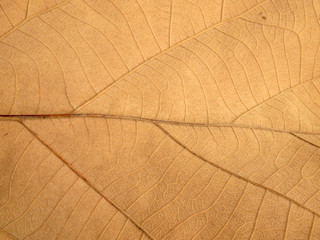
x,y
160,119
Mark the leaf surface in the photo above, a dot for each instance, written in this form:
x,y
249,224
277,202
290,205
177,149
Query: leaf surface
x,y
166,179
58,60
42,198
15,13
160,119
252,70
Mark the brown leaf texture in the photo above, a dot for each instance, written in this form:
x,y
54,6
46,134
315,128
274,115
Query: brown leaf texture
x,y
156,119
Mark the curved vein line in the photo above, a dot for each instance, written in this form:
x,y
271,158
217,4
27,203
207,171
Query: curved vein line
x,y
272,98
7,233
57,60
73,49
267,189
302,139
5,13
15,83
38,73
86,181
160,54
31,17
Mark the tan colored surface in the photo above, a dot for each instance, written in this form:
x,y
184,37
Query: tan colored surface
x,y
160,119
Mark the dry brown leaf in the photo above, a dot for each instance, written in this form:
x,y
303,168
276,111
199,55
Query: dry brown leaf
x,y
160,119
15,13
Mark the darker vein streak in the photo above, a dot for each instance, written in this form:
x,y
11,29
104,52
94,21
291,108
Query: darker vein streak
x,y
86,181
7,233
302,139
150,120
